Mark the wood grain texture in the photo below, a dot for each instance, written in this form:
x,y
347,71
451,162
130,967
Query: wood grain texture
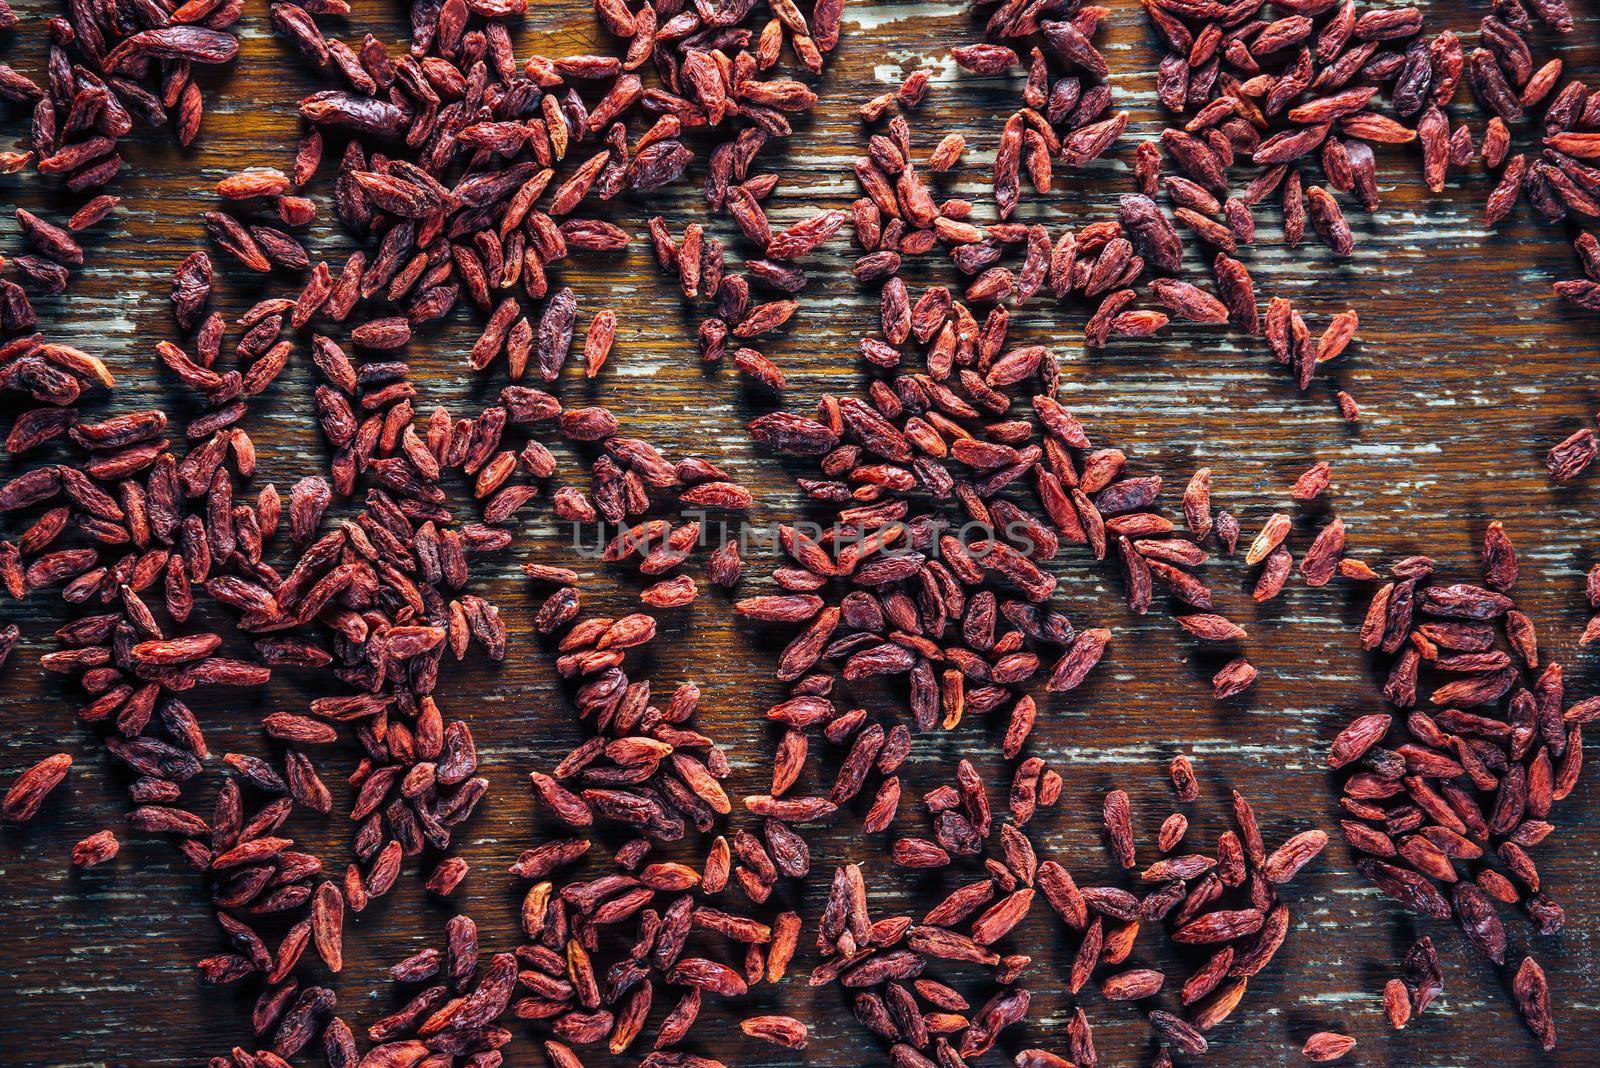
x,y
1467,370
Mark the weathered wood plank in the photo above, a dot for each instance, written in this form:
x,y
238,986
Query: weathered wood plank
x,y
1466,371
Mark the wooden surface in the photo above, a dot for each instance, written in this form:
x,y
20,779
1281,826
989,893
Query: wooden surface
x,y
1466,370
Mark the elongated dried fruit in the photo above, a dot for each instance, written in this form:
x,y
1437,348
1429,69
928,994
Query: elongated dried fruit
x,y
783,1031
29,790
1327,1046
95,849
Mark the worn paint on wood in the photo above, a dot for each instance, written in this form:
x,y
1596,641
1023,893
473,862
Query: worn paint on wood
x,y
1466,369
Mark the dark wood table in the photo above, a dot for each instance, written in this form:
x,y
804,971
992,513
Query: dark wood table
x,y
1467,370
